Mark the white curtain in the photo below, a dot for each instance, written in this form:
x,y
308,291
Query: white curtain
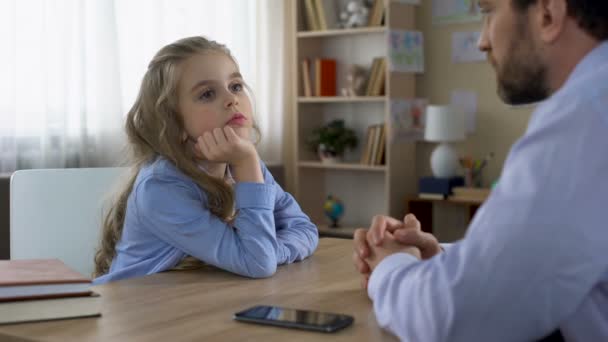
x,y
72,69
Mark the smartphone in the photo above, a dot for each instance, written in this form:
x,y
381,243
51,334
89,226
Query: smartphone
x,y
294,318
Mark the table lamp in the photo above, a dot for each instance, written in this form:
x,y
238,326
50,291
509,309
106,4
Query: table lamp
x,y
444,124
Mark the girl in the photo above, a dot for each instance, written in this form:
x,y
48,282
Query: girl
x,y
199,188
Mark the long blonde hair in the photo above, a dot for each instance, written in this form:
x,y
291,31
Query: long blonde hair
x,y
155,127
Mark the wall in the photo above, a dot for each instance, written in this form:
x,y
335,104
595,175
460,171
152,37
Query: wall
x,y
498,125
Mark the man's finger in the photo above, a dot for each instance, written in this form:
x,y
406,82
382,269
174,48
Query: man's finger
x,y
427,243
364,281
411,222
360,265
360,243
411,238
380,224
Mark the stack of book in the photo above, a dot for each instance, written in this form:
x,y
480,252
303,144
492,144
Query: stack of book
x,y
321,15
319,79
44,289
470,194
375,146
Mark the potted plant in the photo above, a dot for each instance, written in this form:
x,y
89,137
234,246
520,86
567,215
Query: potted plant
x,y
331,140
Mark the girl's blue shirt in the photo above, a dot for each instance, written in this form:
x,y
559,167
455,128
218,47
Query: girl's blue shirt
x,y
167,219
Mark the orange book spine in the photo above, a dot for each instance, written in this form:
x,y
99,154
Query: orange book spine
x,y
328,77
317,80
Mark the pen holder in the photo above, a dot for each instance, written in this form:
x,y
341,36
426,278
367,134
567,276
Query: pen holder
x,y
472,178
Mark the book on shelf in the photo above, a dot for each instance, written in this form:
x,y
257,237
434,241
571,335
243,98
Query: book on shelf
x,y
370,77
321,15
382,146
375,139
312,21
376,14
380,79
31,310
326,12
374,149
306,81
377,77
40,278
367,147
325,77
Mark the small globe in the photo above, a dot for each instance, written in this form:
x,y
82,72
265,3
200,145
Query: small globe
x,y
334,209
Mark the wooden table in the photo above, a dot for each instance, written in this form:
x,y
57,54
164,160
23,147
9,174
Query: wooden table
x,y
198,305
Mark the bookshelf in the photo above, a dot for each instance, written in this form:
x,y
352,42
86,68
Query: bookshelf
x,y
365,190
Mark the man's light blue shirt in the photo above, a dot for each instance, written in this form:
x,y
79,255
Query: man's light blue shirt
x,y
167,219
535,257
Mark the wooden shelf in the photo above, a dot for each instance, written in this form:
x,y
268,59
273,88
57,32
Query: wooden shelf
x,y
342,32
340,99
342,166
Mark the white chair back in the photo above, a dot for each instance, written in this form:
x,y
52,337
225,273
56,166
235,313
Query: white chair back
x,y
57,213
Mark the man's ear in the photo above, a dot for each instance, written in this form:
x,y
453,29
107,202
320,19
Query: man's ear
x,y
551,17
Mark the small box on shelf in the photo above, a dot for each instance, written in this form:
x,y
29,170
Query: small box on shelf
x,y
439,186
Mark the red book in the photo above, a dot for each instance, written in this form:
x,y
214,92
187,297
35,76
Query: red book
x,y
40,278
325,77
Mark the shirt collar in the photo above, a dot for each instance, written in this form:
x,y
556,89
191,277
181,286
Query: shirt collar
x,y
590,63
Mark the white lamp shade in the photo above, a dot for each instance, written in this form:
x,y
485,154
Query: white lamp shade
x,y
444,124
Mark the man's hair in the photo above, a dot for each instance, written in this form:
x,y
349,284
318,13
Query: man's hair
x,y
591,15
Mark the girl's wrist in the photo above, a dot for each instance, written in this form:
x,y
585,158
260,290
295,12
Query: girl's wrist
x,y
249,159
248,170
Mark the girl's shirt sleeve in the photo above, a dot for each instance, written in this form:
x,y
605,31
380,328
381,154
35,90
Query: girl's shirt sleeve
x,y
297,236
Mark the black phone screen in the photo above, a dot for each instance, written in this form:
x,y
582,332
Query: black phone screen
x,y
294,318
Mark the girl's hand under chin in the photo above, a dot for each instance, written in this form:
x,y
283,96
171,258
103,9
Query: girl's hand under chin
x,y
223,145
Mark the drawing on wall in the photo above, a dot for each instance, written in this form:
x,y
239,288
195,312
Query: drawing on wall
x,y
455,11
407,120
406,51
464,47
466,101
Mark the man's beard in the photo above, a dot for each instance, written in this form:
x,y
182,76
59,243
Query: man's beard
x,y
522,78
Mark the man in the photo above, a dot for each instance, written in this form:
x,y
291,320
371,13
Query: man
x,y
533,262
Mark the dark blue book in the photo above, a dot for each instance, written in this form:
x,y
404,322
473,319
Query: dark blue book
x,y
443,186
